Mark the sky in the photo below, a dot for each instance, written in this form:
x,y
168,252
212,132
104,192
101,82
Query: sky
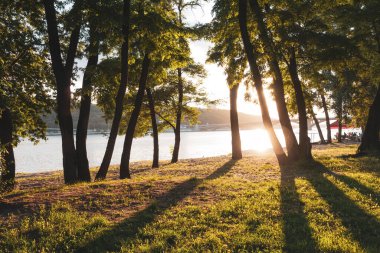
x,y
215,84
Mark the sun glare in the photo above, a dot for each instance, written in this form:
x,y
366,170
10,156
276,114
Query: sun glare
x,y
256,140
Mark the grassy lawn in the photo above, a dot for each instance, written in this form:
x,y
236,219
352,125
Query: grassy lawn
x,y
203,205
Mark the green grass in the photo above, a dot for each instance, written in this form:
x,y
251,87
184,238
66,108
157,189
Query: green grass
x,y
203,205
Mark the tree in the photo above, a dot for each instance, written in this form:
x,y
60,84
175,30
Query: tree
x,y
156,42
24,83
101,17
278,83
63,73
256,75
120,94
228,52
152,110
85,106
166,94
125,157
181,6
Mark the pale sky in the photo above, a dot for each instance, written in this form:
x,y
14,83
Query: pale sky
x,y
215,84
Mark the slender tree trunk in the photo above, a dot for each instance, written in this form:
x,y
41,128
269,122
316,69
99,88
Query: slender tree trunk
x,y
304,140
318,127
63,74
290,138
85,107
326,110
152,110
102,173
6,139
370,139
124,164
252,60
340,120
177,131
234,119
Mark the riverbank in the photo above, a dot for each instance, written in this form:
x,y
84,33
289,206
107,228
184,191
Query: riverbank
x,y
208,204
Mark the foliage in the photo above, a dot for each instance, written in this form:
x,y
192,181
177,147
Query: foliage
x,y
25,80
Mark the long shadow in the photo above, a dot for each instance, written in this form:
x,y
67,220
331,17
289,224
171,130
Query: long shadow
x,y
364,228
112,240
366,161
354,184
297,232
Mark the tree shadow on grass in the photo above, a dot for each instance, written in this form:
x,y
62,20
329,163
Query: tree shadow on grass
x,y
114,238
354,184
296,229
364,228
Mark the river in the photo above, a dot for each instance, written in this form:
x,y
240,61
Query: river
x,y
47,156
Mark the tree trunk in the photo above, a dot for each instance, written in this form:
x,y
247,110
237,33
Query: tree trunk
x,y
234,119
177,131
6,139
370,140
290,138
304,140
340,120
124,164
63,74
152,110
318,127
255,71
102,173
326,110
85,107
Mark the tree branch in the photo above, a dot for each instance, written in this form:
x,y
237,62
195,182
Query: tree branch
x,y
167,121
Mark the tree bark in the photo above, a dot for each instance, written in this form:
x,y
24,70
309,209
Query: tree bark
x,y
6,139
102,173
85,107
290,138
234,120
124,164
340,120
328,125
63,74
177,131
155,163
304,140
318,127
255,71
370,139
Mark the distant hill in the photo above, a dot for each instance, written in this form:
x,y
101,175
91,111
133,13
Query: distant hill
x,y
207,117
96,121
222,117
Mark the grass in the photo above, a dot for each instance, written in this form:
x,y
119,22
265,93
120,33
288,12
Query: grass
x,y
203,205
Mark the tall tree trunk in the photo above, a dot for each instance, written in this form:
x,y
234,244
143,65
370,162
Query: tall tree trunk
x,y
370,139
6,139
304,140
102,173
155,163
126,154
290,138
234,119
85,107
340,120
63,74
326,110
255,71
177,131
316,122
